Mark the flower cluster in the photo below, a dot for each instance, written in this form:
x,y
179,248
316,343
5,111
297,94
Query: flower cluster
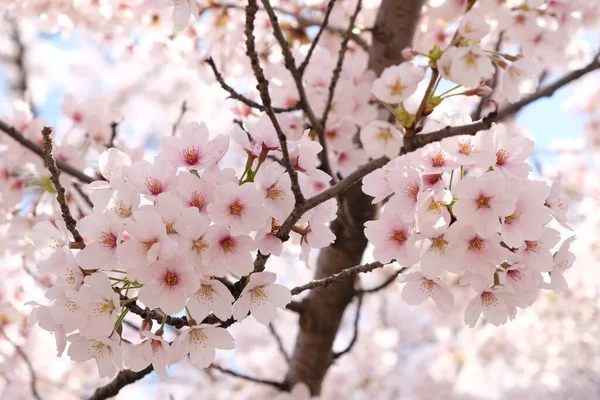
x,y
466,206
171,234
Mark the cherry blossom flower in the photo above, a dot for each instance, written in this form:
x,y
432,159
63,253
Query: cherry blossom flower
x,y
418,288
530,216
105,232
63,265
380,138
482,201
398,82
200,342
563,260
473,25
558,202
275,185
536,253
435,258
65,310
193,150
524,282
471,150
151,179
511,153
406,184
497,307
471,252
469,66
193,228
432,214
168,284
195,192
101,303
227,252
393,239
112,163
149,241
181,11
261,297
521,77
240,207
212,296
48,237
107,353
434,159
153,350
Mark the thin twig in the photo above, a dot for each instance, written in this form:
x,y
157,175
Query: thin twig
x,y
274,333
83,195
19,137
240,97
315,41
278,385
60,190
330,280
182,112
263,89
354,339
33,382
113,134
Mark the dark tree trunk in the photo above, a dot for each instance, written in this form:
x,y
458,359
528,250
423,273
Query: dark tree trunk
x,y
323,308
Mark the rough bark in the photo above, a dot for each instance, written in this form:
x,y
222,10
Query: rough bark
x,y
323,308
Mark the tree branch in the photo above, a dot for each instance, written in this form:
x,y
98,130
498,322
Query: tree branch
x,y
18,349
19,137
60,191
274,333
240,97
277,385
123,378
315,41
182,112
263,89
330,280
354,339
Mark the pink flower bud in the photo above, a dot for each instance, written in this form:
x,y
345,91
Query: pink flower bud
x,y
407,53
483,90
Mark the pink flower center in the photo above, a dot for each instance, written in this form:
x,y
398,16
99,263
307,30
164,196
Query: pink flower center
x,y
107,239
533,246
439,244
502,157
438,159
411,191
197,201
476,244
384,135
199,245
511,219
170,279
191,155
154,186
149,243
155,345
431,179
396,88
427,286
483,201
398,236
274,192
236,208
228,244
515,274
489,299
331,134
465,146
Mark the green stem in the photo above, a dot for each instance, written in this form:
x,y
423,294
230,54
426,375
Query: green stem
x,y
451,178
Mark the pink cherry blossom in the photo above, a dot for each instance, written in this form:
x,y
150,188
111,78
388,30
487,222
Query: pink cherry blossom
x,y
406,184
497,307
181,11
558,202
101,303
482,201
521,77
393,239
151,179
536,253
261,297
153,350
105,232
275,186
398,82
419,288
193,150
212,296
200,342
511,153
106,352
473,25
228,252
240,207
380,138
168,284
